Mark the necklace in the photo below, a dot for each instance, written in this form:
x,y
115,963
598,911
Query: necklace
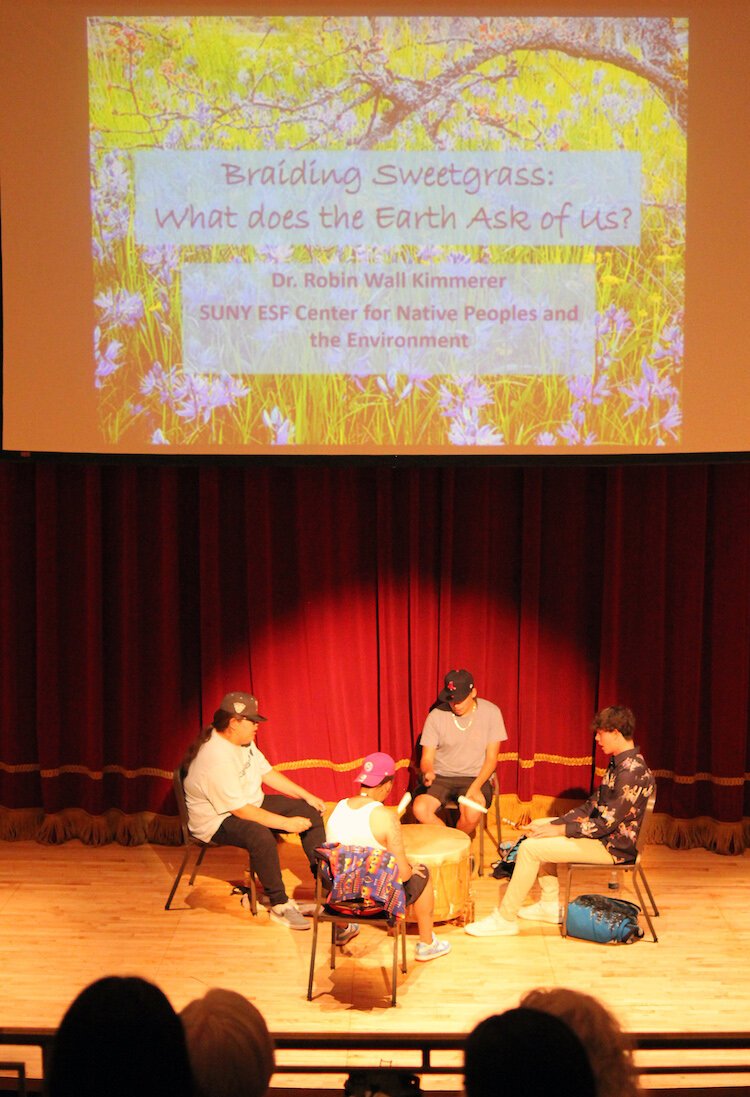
x,y
459,725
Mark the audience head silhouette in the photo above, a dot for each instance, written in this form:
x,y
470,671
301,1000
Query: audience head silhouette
x,y
120,1037
598,1030
231,1051
529,1052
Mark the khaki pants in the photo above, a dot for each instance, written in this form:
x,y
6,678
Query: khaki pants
x,y
539,857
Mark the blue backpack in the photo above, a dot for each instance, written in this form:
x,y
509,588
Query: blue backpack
x,y
604,920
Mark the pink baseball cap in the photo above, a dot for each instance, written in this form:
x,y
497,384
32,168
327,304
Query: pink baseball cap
x,y
375,768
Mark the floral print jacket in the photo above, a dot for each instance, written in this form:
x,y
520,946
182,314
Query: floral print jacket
x,y
614,813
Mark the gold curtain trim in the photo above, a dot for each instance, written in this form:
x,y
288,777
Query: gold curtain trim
x,y
692,779
98,774
31,824
345,767
336,767
558,759
94,774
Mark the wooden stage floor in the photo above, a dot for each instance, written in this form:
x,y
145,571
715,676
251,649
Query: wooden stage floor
x,y
72,913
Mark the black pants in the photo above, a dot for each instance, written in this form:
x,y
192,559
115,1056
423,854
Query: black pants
x,y
260,841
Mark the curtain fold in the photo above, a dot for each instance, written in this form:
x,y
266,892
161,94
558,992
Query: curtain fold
x,y
135,595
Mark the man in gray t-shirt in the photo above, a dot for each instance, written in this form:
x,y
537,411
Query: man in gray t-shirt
x,y
460,742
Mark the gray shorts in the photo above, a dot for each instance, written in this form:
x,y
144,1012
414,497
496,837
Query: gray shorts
x,y
450,788
415,885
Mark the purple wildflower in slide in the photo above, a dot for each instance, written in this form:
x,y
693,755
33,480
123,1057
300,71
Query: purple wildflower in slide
x,y
158,382
670,421
282,429
120,307
671,344
473,394
589,390
196,396
109,203
162,261
390,385
570,433
107,359
651,387
639,393
417,378
465,430
277,253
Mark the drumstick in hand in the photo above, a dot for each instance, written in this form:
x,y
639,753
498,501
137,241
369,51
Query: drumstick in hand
x,y
472,804
403,804
478,807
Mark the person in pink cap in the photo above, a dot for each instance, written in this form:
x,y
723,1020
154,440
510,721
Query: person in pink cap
x,y
362,820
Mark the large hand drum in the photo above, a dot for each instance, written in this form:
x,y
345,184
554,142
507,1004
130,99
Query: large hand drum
x,y
445,852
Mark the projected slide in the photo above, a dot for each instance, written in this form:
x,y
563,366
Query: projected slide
x,y
410,235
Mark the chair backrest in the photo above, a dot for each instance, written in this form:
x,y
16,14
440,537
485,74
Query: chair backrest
x,y
179,795
643,830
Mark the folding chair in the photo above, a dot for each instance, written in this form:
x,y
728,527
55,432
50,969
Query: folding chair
x,y
634,868
453,805
342,916
190,842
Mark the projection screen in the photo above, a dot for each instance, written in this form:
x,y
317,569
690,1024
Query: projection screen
x,y
287,233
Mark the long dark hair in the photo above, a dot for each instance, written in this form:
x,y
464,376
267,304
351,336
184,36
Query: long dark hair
x,y
220,723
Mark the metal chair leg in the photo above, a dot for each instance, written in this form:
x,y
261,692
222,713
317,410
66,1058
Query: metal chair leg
x,y
197,864
333,945
644,909
177,879
654,908
482,826
566,900
312,956
394,965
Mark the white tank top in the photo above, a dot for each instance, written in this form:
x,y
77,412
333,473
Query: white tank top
x,y
351,826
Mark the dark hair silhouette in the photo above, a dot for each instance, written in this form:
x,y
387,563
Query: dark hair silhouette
x,y
529,1052
120,1037
615,718
220,723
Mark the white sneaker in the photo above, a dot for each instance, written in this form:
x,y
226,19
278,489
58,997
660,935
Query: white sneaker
x,y
344,934
494,925
288,915
432,951
542,912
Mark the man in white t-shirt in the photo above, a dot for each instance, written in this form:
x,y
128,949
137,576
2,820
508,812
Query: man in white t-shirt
x,y
460,742
224,777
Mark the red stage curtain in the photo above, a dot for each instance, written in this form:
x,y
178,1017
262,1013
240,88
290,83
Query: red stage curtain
x,y
134,595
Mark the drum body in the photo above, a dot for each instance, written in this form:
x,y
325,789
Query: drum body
x,y
445,852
